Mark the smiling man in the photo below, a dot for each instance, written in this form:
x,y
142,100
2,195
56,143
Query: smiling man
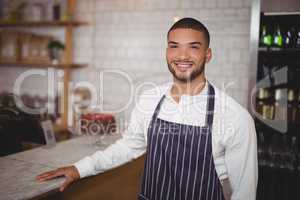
x,y
199,142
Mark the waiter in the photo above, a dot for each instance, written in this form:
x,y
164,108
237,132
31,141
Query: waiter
x,y
199,142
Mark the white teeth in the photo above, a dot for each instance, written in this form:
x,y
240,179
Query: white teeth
x,y
183,65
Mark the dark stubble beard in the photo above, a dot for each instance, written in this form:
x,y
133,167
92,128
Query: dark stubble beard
x,y
197,72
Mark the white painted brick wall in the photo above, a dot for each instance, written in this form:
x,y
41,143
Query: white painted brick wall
x,y
130,35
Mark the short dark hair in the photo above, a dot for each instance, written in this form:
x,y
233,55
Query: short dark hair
x,y
191,23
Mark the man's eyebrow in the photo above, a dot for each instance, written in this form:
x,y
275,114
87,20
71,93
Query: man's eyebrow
x,y
172,42
192,43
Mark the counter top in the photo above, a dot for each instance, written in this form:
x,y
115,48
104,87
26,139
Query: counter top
x,y
18,171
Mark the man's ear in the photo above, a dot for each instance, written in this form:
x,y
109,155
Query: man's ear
x,y
208,55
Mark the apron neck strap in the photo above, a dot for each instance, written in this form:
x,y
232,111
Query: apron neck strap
x,y
158,107
209,107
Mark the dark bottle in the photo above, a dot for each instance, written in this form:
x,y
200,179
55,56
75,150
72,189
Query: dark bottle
x,y
297,118
295,152
56,11
293,37
297,40
271,105
277,38
291,106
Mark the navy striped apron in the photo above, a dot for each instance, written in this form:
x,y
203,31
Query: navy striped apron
x,y
179,161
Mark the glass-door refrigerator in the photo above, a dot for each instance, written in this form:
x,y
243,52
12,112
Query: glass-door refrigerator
x,y
275,56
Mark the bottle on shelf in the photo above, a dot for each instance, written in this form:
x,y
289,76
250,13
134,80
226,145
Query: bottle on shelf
x,y
297,117
263,33
295,152
267,106
287,39
297,41
266,38
260,100
271,105
280,113
277,38
293,37
56,9
291,106
264,104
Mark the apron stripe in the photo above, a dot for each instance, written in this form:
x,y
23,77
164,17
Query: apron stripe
x,y
159,174
165,166
196,173
183,184
175,161
189,182
203,168
170,177
178,166
209,175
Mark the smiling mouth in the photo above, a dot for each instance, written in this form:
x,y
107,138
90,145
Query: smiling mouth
x,y
183,65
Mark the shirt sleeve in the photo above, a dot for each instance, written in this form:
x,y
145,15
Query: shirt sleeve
x,y
130,146
221,167
241,158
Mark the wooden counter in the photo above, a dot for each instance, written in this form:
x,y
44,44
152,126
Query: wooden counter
x,y
120,183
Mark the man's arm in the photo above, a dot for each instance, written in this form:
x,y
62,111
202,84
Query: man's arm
x,y
130,146
241,159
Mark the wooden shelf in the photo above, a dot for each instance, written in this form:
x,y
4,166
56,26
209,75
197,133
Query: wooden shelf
x,y
41,24
68,54
278,50
43,65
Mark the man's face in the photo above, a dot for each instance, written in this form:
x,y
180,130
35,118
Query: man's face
x,y
187,53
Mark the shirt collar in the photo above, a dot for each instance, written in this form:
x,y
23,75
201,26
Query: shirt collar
x,y
202,94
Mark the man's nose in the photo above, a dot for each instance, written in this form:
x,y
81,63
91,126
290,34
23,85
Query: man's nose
x,y
183,53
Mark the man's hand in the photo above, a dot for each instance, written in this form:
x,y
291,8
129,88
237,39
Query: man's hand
x,y
70,172
227,191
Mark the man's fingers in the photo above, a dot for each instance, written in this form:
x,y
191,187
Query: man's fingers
x,y
43,175
65,184
46,174
71,174
50,175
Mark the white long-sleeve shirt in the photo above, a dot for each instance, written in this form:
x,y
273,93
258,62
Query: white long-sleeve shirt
x,y
233,137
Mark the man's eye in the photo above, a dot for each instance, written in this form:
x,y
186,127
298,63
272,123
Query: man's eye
x,y
195,47
173,46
